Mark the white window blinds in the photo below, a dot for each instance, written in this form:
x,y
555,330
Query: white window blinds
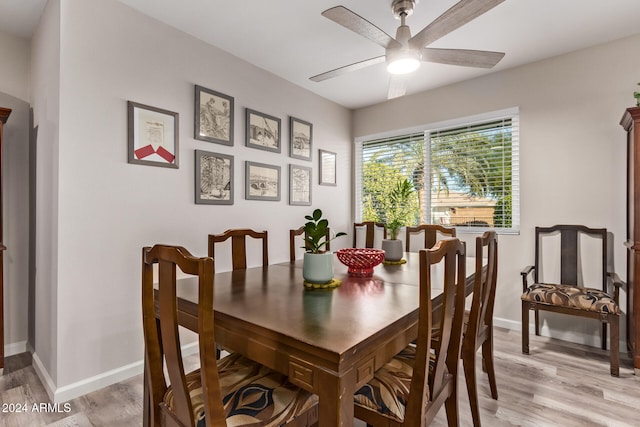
x,y
465,175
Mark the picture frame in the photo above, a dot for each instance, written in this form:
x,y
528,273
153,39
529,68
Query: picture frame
x,y
152,136
213,178
262,181
262,131
300,139
327,161
213,116
299,185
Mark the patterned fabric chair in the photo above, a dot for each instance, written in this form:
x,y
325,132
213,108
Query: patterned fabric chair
x,y
568,295
370,232
239,245
432,233
411,388
234,391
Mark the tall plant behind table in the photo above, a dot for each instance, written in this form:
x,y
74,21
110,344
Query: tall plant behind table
x,y
317,267
400,212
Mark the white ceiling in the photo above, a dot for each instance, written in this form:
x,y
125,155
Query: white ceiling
x,y
292,40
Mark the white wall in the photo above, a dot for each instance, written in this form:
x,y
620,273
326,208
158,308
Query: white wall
x,y
14,67
45,102
572,151
107,209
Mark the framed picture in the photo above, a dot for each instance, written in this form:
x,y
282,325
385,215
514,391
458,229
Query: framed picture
x,y
213,116
214,178
262,131
327,167
299,185
301,135
262,182
152,136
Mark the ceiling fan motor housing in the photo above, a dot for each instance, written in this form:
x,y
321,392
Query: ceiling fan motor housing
x,y
402,8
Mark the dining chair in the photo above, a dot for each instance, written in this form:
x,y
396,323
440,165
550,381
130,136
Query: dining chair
x,y
219,393
478,322
239,245
567,294
432,233
410,389
300,231
370,232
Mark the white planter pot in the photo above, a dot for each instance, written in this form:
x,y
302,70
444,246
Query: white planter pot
x,y
317,268
392,249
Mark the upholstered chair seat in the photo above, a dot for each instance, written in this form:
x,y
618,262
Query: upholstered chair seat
x,y
571,297
388,391
251,394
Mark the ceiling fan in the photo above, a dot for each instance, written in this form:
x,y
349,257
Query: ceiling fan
x,y
404,53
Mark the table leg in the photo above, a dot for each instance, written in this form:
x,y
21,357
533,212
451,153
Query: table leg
x,y
336,399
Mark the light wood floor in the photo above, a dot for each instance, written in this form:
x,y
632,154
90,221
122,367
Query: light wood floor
x,y
559,384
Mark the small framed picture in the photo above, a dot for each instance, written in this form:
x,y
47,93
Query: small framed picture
x,y
262,182
152,136
213,116
299,185
214,178
301,135
262,131
327,167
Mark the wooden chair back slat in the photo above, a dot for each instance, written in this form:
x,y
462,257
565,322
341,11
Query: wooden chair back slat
x,y
162,339
370,232
239,245
436,388
570,252
430,234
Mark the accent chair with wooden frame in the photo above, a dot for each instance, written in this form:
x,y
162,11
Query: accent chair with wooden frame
x,y
370,232
431,234
219,391
569,296
417,382
479,321
300,231
239,245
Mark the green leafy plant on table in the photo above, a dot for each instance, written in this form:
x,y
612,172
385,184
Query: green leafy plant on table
x,y
316,232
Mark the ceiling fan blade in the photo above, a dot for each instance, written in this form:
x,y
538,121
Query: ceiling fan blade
x,y
356,23
397,85
347,68
458,15
463,57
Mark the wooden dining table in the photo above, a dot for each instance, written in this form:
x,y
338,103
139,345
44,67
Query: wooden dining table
x,y
328,341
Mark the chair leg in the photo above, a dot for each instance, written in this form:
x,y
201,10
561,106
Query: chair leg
x,y
451,406
537,319
487,357
469,365
604,336
525,328
614,354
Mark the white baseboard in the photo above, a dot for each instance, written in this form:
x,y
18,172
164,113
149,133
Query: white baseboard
x,y
44,376
88,385
15,348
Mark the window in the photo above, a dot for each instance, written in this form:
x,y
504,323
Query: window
x,y
463,173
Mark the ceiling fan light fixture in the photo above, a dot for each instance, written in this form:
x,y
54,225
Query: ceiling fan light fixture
x,y
403,63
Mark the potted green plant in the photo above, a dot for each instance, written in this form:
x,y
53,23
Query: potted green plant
x,y
317,265
398,215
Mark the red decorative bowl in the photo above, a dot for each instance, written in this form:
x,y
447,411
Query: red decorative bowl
x,y
360,260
